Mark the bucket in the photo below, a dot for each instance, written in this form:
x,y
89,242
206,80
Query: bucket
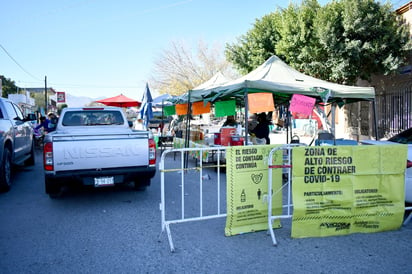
x,y
295,139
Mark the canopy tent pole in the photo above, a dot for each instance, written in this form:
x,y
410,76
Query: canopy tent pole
x,y
187,137
333,129
162,123
375,120
246,117
288,125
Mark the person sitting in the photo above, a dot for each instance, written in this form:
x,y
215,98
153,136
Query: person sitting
x,y
44,123
52,122
261,131
230,121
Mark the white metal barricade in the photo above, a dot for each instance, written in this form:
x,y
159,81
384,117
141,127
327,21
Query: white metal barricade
x,y
409,216
183,168
287,164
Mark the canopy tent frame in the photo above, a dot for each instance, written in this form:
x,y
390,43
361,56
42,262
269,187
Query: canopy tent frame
x,y
276,77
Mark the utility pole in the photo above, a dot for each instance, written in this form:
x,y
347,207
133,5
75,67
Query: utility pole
x,y
45,95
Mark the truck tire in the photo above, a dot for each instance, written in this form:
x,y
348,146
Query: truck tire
x,y
53,189
141,184
30,160
5,171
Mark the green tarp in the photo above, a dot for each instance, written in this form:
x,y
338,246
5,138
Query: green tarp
x,y
277,77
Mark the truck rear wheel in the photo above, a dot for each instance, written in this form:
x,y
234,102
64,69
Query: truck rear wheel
x,y
53,189
141,184
5,171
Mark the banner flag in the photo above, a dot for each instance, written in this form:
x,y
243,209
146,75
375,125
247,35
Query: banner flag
x,y
181,109
169,110
260,102
339,190
302,104
247,188
225,108
200,108
146,111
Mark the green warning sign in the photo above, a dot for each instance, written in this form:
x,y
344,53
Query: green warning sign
x,y
247,188
339,190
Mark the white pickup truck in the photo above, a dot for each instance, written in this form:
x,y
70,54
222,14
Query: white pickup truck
x,y
96,147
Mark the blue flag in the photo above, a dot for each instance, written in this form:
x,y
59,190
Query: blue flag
x,y
146,112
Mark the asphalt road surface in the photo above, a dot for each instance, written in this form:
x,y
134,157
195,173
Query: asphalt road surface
x,y
117,230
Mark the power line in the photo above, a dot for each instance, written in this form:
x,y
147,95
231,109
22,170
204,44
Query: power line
x,y
84,85
17,63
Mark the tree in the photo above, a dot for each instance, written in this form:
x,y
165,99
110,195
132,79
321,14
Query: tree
x,y
60,107
177,70
8,86
299,44
255,47
341,42
361,38
39,100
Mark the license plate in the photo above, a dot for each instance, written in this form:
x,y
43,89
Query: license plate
x,y
103,181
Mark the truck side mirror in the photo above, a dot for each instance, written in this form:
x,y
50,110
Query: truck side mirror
x,y
31,117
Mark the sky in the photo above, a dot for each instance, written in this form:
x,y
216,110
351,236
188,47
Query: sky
x,y
102,48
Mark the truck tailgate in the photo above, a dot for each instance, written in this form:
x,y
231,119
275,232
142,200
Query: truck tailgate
x,y
80,152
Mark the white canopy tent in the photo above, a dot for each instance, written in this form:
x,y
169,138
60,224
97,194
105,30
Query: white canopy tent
x,y
277,77
196,94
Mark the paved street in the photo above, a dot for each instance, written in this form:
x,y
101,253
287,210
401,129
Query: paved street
x,y
117,231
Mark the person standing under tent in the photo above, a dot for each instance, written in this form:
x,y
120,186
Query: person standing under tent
x,y
230,121
261,131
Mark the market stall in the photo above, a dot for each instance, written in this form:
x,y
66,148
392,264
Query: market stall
x,y
274,82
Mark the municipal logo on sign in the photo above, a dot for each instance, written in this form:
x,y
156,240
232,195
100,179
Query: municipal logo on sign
x,y
61,97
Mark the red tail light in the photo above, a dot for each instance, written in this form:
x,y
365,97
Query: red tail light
x,y
152,152
408,164
48,156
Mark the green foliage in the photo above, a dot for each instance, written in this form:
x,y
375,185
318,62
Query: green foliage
x,y
298,44
60,108
8,86
257,45
39,100
341,42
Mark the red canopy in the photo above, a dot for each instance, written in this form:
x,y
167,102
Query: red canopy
x,y
120,101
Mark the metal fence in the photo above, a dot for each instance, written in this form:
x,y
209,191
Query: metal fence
x,y
394,110
197,200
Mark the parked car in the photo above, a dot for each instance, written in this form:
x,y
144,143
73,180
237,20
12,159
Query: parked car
x,y
405,137
16,139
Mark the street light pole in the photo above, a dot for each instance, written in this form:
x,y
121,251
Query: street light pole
x,y
45,95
